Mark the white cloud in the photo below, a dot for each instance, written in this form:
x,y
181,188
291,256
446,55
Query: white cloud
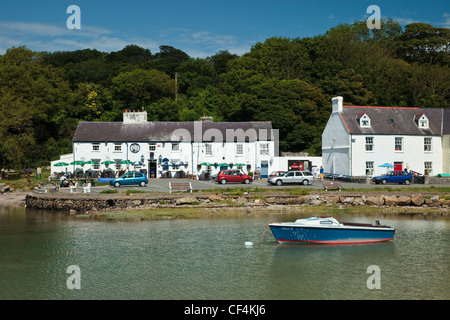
x,y
446,23
47,37
406,21
202,44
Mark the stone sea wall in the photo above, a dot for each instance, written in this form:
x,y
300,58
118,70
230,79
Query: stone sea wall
x,y
103,202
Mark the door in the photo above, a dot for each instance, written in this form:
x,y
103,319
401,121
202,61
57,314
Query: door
x,y
264,169
398,166
298,177
290,177
127,179
151,169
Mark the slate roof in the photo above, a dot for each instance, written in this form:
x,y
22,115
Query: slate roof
x,y
393,120
446,122
162,131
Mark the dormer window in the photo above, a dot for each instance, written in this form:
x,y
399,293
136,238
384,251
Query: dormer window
x,y
422,121
364,120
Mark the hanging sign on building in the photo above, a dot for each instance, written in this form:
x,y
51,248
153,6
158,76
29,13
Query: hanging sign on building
x,y
135,148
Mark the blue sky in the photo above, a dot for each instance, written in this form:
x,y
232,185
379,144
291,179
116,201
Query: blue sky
x,y
199,27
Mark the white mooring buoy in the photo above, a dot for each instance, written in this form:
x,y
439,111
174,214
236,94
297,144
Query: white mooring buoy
x,y
248,243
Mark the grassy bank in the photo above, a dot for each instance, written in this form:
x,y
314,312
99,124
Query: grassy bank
x,y
195,212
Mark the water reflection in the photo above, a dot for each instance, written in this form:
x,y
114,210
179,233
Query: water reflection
x,y
207,259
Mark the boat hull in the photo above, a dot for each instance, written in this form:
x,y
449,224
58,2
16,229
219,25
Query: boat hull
x,y
289,233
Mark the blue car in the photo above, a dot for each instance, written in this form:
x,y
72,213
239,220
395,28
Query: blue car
x,y
130,178
394,177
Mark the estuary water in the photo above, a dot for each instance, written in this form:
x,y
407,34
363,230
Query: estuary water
x,y
207,259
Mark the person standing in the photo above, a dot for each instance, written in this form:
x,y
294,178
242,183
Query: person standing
x,y
315,170
321,173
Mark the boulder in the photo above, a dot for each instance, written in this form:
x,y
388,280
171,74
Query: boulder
x,y
359,201
417,200
346,200
4,188
185,200
435,201
390,200
445,203
215,197
331,199
296,200
258,201
403,200
375,201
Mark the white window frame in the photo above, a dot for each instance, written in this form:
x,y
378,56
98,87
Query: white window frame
x,y
239,149
151,146
369,168
208,149
364,121
398,141
96,146
423,122
369,144
117,147
264,149
427,144
428,168
175,147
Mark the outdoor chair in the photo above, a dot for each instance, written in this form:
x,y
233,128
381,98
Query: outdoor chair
x,y
74,188
87,189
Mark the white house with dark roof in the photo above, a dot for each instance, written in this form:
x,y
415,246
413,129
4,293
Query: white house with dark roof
x,y
358,139
173,149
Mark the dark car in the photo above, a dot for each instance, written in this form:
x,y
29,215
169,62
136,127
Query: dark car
x,y
394,177
130,178
231,176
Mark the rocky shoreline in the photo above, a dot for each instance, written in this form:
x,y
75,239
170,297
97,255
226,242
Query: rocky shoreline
x,y
91,204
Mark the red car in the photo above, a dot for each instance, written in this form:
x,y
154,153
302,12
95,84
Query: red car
x,y
277,174
233,176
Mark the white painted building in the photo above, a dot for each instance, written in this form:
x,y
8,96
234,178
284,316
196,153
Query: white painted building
x,y
173,149
358,139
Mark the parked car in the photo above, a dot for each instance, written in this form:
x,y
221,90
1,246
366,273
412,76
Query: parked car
x,y
300,177
231,176
130,178
277,174
394,177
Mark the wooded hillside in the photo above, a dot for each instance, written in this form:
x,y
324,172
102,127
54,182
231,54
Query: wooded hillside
x,y
43,95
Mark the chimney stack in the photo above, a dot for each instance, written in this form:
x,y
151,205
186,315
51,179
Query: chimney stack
x,y
337,104
134,117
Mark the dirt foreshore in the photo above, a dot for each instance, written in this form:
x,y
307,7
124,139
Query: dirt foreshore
x,y
13,199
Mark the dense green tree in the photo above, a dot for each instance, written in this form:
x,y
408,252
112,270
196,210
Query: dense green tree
x,y
288,81
32,96
423,43
138,88
220,60
131,54
195,74
168,59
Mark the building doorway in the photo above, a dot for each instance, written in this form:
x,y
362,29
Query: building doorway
x,y
398,166
264,169
151,169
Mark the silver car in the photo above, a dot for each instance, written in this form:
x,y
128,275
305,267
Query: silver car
x,y
300,177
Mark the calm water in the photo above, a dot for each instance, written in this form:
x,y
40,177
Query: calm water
x,y
207,259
